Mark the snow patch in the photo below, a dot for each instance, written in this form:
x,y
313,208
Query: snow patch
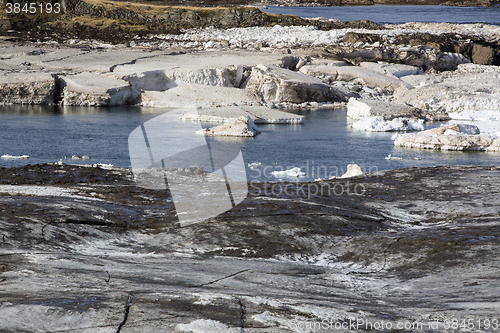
x,y
206,326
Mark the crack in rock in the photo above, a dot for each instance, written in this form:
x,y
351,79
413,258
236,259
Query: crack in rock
x,y
127,309
222,278
242,315
132,62
69,56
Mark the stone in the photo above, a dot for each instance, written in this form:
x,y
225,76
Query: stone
x,y
355,37
78,254
483,55
27,88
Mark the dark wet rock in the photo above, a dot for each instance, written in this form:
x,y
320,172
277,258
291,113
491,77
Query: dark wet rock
x,y
483,55
354,37
474,49
413,245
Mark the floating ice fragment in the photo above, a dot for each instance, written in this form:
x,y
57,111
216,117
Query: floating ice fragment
x,y
393,158
254,165
378,124
293,172
12,157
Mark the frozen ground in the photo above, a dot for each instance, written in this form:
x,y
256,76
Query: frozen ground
x,y
408,247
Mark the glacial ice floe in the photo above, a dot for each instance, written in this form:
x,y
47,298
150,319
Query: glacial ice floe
x,y
369,77
279,72
470,87
359,109
379,124
242,126
90,89
193,95
280,85
27,88
457,137
259,115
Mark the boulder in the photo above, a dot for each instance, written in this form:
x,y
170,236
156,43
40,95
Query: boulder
x,y
278,85
357,109
241,126
356,37
27,88
483,55
89,89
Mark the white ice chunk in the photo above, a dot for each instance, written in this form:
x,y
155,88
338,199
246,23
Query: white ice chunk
x,y
13,157
378,124
293,172
242,126
353,170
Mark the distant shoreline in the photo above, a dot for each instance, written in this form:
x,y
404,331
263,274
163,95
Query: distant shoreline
x,y
472,4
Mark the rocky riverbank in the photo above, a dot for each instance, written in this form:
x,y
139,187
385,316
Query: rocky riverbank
x,y
84,249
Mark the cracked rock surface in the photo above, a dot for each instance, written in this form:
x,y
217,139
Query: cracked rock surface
x,y
83,249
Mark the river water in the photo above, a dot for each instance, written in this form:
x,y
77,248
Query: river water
x,y
397,14
322,147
